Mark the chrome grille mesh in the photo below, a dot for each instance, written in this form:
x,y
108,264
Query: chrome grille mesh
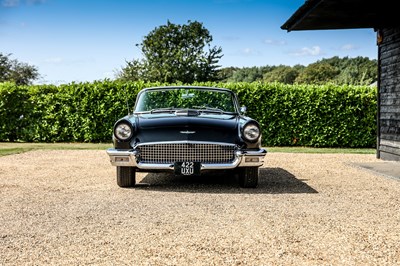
x,y
186,152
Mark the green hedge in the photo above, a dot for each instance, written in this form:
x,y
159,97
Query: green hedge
x,y
290,115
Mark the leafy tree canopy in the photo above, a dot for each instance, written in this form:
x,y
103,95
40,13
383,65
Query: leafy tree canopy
x,y
14,71
283,74
341,71
175,53
317,73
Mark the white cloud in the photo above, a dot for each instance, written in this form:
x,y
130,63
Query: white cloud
x,y
275,42
348,47
306,51
16,3
10,3
246,52
249,52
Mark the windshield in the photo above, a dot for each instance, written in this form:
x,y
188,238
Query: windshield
x,y
206,100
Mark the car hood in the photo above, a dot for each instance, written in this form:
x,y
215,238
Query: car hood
x,y
171,127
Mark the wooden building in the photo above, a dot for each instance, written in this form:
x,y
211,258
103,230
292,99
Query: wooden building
x,y
377,15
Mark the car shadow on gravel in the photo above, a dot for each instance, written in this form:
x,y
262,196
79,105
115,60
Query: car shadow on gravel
x,y
271,181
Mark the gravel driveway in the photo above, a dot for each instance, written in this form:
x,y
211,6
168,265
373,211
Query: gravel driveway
x,y
65,208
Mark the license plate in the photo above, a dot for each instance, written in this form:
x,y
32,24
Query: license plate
x,y
187,168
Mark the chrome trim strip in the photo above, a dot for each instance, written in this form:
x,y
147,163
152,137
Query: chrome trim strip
x,y
252,154
204,166
130,155
240,160
185,142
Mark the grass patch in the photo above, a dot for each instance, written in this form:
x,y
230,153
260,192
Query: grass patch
x,y
8,148
321,150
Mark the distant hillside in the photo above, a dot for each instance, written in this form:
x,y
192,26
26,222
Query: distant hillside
x,y
341,71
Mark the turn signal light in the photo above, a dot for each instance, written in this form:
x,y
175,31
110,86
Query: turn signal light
x,y
122,159
252,160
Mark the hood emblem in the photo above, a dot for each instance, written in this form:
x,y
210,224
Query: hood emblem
x,y
187,132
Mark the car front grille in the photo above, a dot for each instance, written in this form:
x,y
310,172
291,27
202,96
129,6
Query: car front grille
x,y
164,153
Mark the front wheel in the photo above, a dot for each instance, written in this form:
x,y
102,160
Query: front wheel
x,y
248,177
126,176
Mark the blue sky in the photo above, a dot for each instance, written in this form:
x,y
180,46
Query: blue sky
x,y
70,40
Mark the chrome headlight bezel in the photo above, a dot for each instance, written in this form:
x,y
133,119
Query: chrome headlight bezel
x,y
123,130
251,132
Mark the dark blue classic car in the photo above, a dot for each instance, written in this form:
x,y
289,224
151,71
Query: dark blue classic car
x,y
187,130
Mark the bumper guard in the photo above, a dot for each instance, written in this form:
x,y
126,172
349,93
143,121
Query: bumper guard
x,y
243,158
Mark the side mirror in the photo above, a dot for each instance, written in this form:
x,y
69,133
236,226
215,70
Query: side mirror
x,y
243,109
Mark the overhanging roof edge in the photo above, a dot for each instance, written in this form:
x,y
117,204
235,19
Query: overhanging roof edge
x,y
300,13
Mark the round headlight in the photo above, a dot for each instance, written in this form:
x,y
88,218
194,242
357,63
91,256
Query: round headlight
x,y
123,131
251,132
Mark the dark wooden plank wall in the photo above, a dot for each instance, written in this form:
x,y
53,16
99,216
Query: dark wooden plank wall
x,y
389,95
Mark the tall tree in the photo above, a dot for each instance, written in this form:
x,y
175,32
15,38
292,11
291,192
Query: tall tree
x,y
283,74
317,73
225,73
15,71
249,74
351,71
175,53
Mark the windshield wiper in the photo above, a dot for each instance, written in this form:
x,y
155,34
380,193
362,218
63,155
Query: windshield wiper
x,y
207,109
163,110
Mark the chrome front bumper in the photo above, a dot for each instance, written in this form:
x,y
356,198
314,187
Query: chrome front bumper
x,y
243,158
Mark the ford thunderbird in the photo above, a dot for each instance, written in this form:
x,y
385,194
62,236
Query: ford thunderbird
x,y
187,130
